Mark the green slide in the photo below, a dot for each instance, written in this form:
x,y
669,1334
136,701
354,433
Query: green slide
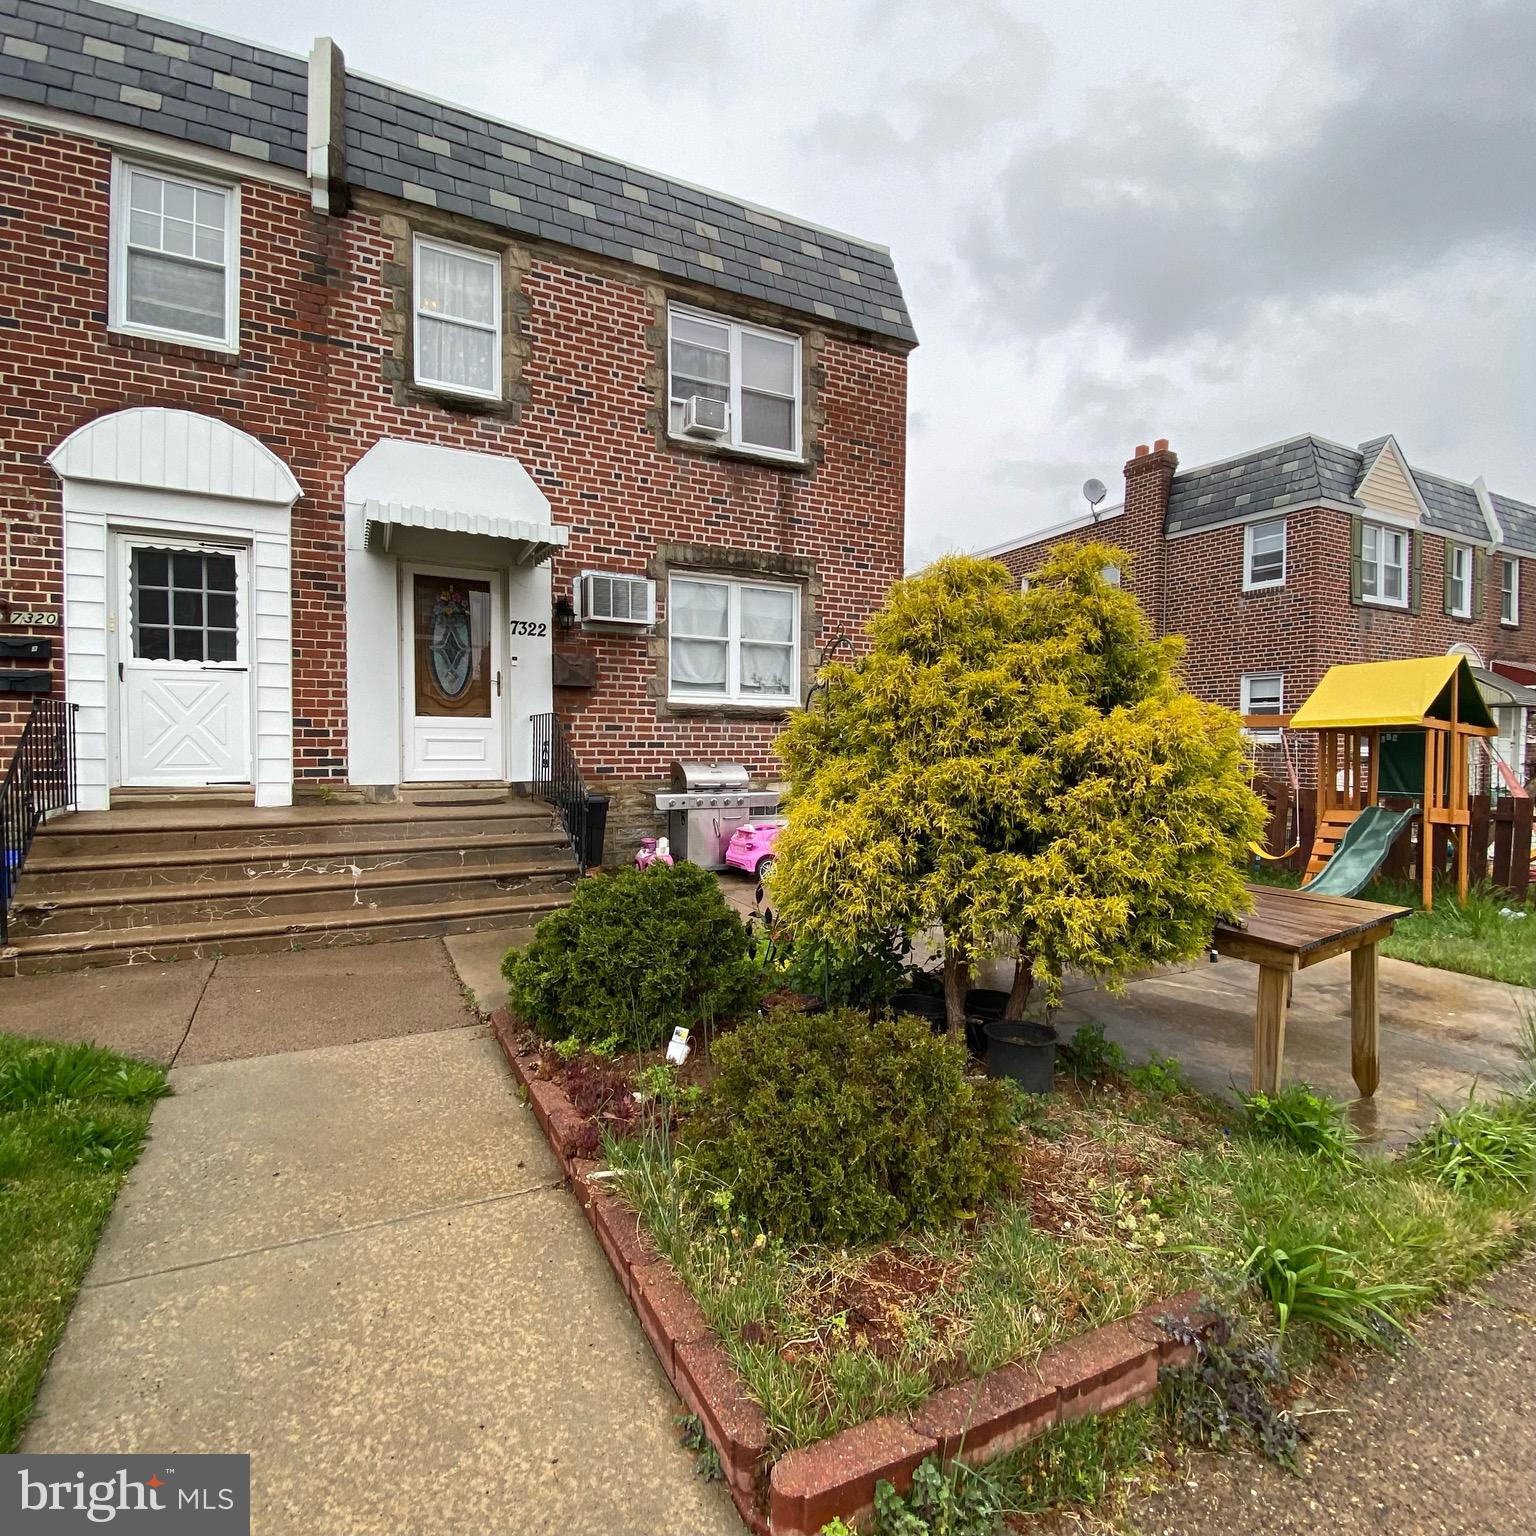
x,y
1360,853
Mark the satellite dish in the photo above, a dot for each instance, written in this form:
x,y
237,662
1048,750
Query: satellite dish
x,y
1094,491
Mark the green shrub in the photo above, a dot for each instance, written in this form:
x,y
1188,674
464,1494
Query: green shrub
x,y
1302,1118
830,1127
634,955
1090,1057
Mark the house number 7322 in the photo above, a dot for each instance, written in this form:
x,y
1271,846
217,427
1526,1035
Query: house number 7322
x,y
534,627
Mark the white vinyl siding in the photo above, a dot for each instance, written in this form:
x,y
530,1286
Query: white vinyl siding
x,y
756,372
1384,565
1509,590
1264,555
457,297
732,641
175,249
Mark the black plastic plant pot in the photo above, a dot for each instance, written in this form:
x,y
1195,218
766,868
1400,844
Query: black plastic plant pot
x,y
985,1003
1023,1052
924,1004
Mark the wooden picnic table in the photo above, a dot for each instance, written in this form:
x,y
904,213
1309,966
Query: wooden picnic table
x,y
1286,932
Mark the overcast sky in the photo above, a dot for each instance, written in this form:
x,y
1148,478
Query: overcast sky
x,y
1217,223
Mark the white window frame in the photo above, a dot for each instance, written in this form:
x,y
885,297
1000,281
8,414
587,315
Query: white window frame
x,y
732,438
733,694
1379,564
119,221
1509,591
1245,703
1249,533
1458,565
471,253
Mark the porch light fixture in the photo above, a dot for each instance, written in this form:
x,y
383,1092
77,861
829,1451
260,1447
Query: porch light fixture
x,y
565,614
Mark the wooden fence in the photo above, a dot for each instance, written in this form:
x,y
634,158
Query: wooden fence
x,y
1499,839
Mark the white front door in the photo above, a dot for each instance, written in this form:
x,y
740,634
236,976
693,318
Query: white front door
x,y
452,664
184,700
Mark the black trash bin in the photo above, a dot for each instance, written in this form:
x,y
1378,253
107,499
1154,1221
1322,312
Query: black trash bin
x,y
594,828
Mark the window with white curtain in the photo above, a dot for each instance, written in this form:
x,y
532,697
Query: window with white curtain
x,y
458,319
754,371
732,641
1384,565
175,269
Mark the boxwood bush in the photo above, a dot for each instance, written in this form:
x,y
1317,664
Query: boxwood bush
x,y
634,955
829,1127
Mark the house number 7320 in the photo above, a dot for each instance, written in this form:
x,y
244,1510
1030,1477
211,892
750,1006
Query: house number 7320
x,y
533,627
27,616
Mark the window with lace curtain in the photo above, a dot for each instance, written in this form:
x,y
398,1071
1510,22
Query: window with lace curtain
x,y
457,295
732,641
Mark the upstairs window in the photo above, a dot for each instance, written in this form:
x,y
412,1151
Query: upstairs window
x,y
732,641
1264,555
1384,565
458,319
1458,581
175,271
753,374
1509,591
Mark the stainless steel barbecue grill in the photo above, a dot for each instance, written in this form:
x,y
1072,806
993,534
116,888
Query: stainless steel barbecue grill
x,y
706,804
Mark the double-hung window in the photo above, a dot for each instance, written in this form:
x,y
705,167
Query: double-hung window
x,y
175,272
1264,555
1263,693
1509,590
1458,580
457,295
1384,565
732,642
754,372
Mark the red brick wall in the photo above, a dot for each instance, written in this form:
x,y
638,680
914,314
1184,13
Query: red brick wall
x,y
309,383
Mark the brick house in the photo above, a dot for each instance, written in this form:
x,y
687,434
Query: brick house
x,y
1283,561
346,431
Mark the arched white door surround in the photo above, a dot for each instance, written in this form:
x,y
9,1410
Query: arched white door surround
x,y
177,510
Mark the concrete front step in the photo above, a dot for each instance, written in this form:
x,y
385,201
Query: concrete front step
x,y
47,875
248,935
94,834
342,892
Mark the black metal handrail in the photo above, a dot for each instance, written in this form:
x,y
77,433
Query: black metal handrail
x,y
39,781
557,779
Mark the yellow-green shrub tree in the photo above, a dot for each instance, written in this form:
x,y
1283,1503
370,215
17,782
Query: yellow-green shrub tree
x,y
1015,769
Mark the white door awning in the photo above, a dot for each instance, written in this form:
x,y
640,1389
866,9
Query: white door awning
x,y
429,486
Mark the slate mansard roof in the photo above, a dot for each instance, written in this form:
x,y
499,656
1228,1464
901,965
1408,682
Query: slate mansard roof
x,y
162,77
1307,469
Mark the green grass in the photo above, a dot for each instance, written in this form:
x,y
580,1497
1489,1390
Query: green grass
x,y
1130,1195
1475,940
72,1121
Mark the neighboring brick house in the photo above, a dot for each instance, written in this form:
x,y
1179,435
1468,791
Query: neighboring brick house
x,y
323,399
1278,563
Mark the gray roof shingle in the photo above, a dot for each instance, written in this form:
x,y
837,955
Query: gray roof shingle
x,y
104,62
1307,469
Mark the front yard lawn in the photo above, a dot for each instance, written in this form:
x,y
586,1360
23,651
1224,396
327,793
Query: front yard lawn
x,y
1128,1191
1480,939
72,1120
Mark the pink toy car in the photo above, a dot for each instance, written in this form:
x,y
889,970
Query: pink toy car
x,y
751,847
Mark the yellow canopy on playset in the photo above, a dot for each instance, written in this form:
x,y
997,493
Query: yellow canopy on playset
x,y
1400,727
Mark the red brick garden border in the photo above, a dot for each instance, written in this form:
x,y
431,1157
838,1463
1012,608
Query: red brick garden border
x,y
799,1493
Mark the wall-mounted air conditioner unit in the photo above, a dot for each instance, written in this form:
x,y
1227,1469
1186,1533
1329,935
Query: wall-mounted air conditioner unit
x,y
604,598
706,417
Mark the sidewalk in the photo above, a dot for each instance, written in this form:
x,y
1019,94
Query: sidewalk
x,y
353,1258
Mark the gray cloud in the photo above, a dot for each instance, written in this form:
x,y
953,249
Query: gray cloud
x,y
1148,222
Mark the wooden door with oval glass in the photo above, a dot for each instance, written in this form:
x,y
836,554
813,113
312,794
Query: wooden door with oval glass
x,y
453,670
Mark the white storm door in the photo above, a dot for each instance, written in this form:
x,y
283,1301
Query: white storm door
x,y
184,679
452,666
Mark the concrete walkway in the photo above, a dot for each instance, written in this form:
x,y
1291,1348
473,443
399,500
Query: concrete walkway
x,y
353,1258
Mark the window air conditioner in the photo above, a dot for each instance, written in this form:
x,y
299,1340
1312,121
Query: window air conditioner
x,y
704,416
609,599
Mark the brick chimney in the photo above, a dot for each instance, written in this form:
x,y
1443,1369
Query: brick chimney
x,y
1141,528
